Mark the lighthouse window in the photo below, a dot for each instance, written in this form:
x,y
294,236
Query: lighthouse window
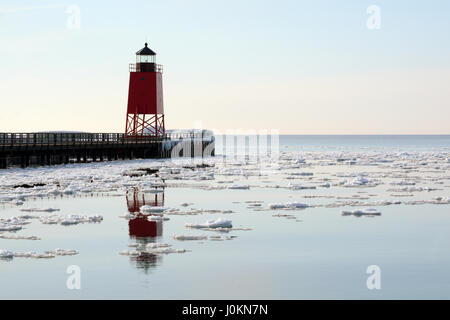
x,y
144,58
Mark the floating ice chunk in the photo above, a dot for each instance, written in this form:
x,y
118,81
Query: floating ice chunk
x,y
414,189
284,215
68,191
128,216
39,209
14,221
274,206
219,223
158,218
95,218
70,219
360,180
226,230
130,253
152,210
165,250
53,219
295,186
186,237
440,200
39,255
157,245
288,205
239,187
8,227
364,212
304,174
24,254
27,216
18,237
62,252
403,183
54,192
6,254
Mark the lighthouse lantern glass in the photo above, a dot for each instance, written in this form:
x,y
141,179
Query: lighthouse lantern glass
x,y
145,59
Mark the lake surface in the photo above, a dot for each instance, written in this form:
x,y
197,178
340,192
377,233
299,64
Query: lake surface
x,y
306,224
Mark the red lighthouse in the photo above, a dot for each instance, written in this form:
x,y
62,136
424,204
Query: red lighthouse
x,y
145,112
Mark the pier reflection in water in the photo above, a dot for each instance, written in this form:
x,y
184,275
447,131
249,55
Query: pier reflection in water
x,y
142,230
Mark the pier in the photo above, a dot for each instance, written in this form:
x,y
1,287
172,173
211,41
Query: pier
x,y
28,149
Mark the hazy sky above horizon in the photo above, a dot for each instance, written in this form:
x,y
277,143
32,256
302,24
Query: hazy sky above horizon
x,y
302,67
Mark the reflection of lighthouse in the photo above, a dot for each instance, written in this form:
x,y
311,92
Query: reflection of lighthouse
x,y
141,226
143,230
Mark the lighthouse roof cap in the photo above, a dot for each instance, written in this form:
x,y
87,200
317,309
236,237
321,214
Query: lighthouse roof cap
x,y
146,51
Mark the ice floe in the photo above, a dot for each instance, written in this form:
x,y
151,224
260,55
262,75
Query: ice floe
x,y
5,254
363,212
18,237
239,187
288,205
153,209
63,252
8,227
296,186
151,248
218,223
190,237
31,254
68,220
165,250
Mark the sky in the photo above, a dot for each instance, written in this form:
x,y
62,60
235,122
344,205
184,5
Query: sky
x,y
300,67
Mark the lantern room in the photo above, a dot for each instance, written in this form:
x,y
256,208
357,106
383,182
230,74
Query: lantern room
x,y
146,55
146,60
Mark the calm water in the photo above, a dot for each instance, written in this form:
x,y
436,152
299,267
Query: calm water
x,y
315,254
351,142
362,142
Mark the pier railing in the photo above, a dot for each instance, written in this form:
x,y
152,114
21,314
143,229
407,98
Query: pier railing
x,y
48,139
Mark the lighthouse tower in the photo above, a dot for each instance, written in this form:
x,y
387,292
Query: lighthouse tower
x,y
145,112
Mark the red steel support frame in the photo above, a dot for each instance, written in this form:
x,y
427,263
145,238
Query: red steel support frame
x,y
137,123
145,112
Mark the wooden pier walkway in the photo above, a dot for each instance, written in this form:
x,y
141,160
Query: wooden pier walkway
x,y
25,149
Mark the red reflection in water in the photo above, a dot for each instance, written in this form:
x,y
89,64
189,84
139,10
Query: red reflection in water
x,y
138,199
141,227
